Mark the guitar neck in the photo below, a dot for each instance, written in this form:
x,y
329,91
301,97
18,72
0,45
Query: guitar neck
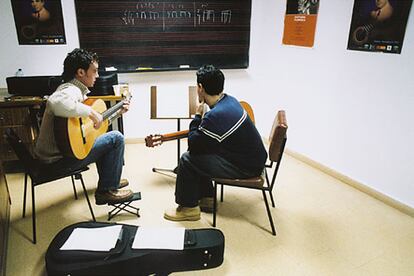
x,y
175,135
109,112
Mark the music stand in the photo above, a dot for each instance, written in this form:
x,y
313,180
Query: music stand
x,y
192,99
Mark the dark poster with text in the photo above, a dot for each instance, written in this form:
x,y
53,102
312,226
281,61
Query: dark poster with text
x,y
379,25
39,22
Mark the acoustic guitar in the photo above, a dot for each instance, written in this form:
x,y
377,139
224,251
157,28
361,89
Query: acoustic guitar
x,y
75,136
157,139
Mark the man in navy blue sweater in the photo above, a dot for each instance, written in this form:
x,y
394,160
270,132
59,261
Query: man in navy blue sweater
x,y
222,142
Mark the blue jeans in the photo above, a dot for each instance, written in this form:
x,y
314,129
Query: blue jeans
x,y
108,154
194,176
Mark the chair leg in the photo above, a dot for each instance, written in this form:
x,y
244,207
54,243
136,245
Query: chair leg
x,y
222,193
214,203
271,199
74,187
33,213
268,213
87,197
24,195
267,177
270,192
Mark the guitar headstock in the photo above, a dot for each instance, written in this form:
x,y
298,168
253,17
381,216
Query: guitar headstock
x,y
122,90
153,140
125,93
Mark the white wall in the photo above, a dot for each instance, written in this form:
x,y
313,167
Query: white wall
x,y
351,111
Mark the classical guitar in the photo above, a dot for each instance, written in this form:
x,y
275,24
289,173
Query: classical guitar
x,y
157,139
75,136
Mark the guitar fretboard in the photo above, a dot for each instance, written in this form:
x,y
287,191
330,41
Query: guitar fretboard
x,y
109,112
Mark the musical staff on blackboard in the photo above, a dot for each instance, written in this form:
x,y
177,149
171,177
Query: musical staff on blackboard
x,y
181,14
143,35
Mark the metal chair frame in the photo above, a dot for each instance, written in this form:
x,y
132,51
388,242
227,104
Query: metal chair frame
x,y
40,173
277,141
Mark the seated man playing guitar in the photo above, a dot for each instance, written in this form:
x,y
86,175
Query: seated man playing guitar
x,y
80,72
222,142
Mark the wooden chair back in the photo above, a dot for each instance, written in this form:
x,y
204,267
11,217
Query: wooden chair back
x,y
278,137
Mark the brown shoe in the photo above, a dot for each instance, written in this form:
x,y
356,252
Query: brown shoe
x,y
113,196
123,183
206,204
183,213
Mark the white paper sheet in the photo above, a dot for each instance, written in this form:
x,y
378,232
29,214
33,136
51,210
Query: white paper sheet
x,y
172,102
93,239
159,238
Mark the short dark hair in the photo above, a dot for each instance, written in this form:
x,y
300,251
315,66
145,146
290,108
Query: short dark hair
x,y
77,59
211,78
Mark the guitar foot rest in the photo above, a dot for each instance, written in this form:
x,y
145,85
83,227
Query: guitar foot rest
x,y
125,206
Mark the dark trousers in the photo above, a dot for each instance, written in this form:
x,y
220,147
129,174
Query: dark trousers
x,y
194,176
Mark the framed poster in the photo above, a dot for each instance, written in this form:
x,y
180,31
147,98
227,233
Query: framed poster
x,y
39,21
379,25
300,22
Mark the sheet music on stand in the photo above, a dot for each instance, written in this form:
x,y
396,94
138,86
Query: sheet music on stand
x,y
173,113
159,238
93,239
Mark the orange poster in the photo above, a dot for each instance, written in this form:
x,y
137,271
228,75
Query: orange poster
x,y
300,22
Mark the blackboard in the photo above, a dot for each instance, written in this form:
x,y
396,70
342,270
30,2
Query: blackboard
x,y
165,35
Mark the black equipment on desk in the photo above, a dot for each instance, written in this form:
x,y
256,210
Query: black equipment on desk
x,y
33,85
103,84
46,85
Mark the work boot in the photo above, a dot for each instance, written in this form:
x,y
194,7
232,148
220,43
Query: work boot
x,y
183,213
206,204
112,196
123,183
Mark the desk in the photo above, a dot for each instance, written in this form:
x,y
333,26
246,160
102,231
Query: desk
x,y
23,115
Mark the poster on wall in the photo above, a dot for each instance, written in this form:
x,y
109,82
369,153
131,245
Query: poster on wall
x,y
300,22
39,22
379,25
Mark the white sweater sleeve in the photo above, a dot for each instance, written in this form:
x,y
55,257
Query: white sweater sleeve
x,y
68,103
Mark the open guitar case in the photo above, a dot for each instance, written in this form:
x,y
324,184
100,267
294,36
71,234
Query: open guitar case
x,y
203,249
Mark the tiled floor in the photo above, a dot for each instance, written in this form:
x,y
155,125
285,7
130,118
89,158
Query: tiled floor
x,y
324,227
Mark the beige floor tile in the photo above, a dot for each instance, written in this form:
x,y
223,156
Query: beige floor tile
x,y
324,263
394,260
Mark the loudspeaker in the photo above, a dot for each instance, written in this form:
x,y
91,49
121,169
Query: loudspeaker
x,y
46,85
33,86
103,84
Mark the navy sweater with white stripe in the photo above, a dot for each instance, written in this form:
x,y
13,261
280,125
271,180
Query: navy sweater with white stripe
x,y
227,130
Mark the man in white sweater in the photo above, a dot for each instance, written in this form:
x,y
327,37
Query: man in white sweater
x,y
80,72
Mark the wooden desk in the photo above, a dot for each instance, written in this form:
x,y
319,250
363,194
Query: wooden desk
x,y
23,115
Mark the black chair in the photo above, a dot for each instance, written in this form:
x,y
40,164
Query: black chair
x,y
277,142
41,173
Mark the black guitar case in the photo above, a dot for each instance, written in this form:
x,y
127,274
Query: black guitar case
x,y
203,249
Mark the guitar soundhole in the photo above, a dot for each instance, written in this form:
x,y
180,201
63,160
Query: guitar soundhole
x,y
81,130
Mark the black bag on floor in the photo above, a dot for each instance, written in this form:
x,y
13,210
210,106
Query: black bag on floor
x,y
203,249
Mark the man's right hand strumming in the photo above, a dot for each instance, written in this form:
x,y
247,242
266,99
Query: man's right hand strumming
x,y
96,118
